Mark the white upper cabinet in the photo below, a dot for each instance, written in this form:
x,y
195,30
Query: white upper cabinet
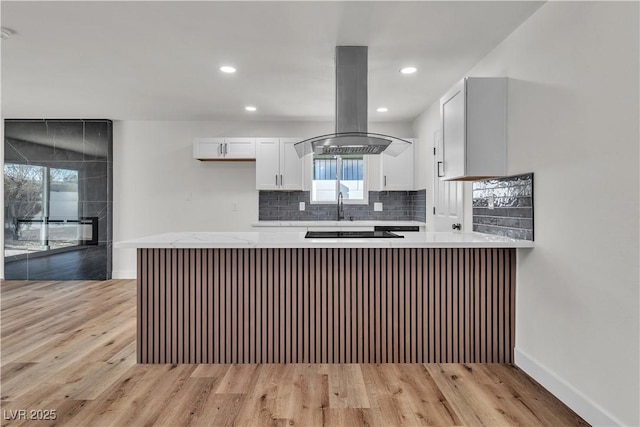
x,y
240,148
474,130
290,165
208,148
278,166
397,172
224,148
267,163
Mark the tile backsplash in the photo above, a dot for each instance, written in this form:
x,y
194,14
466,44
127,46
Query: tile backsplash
x,y
397,206
504,206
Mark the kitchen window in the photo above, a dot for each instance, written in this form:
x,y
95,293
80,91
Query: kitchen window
x,y
339,174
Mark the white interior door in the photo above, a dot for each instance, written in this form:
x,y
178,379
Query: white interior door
x,y
448,200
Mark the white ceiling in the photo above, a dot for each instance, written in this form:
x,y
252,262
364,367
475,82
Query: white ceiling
x,y
159,60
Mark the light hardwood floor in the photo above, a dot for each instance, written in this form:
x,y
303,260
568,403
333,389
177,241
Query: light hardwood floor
x,y
70,347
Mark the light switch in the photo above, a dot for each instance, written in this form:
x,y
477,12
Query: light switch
x,y
301,206
377,206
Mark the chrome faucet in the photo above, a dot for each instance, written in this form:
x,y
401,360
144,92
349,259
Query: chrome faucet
x,y
340,207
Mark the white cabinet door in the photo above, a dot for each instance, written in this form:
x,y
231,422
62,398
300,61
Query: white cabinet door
x,y
474,129
290,165
397,172
208,148
267,163
224,148
278,166
240,148
453,133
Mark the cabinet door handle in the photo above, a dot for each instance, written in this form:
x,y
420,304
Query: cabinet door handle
x,y
439,164
220,150
385,180
276,180
226,148
280,179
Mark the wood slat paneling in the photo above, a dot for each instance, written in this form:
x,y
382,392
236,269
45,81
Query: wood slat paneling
x,y
326,305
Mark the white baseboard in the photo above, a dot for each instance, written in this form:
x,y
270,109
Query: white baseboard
x,y
123,274
590,411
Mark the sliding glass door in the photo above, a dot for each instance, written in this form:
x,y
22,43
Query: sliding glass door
x,y
41,209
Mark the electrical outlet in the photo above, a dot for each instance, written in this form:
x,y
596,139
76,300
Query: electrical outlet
x,y
377,206
236,206
490,202
188,196
301,206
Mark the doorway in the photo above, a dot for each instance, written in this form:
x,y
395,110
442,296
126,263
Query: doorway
x,y
448,196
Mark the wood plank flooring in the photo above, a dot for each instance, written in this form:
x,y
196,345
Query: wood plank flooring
x,y
82,263
69,347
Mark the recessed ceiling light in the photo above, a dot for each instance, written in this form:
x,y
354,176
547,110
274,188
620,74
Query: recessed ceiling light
x,y
227,69
5,33
408,70
382,109
250,108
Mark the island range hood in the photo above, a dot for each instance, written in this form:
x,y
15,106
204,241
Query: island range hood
x,y
351,136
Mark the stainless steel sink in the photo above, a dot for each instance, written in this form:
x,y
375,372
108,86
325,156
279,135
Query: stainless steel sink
x,y
332,234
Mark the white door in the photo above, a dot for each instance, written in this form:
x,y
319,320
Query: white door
x,y
448,200
267,164
290,165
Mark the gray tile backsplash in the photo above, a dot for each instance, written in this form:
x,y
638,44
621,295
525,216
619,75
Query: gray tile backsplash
x,y
512,211
397,206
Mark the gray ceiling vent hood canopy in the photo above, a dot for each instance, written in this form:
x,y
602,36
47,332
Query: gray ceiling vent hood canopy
x,y
351,135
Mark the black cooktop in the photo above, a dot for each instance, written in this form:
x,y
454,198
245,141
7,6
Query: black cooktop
x,y
351,235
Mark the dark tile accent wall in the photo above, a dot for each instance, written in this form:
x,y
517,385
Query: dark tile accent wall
x,y
512,212
82,145
396,205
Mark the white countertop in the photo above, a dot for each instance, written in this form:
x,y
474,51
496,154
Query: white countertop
x,y
291,239
334,223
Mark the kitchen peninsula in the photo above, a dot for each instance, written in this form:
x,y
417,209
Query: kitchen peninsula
x,y
264,297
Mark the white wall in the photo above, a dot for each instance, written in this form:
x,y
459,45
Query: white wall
x,y
573,121
155,174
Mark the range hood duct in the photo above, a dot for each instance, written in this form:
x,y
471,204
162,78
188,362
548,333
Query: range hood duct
x,y
351,135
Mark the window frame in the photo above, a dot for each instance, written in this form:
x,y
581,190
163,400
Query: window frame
x,y
365,184
44,198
